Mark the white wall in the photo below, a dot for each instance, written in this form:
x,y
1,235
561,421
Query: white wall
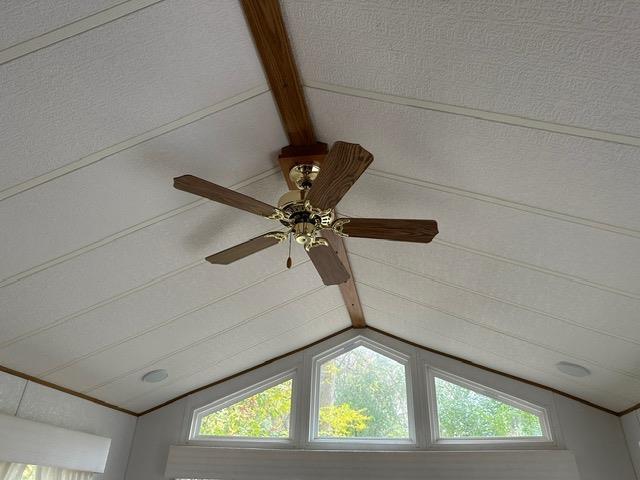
x,y
631,427
32,401
594,437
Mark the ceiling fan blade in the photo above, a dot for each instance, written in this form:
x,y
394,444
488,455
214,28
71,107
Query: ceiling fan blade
x,y
217,193
343,165
245,249
421,231
329,266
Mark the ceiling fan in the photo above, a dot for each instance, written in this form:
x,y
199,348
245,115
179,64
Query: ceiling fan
x,y
310,209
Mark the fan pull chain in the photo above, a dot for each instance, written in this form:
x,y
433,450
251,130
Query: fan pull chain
x,y
289,261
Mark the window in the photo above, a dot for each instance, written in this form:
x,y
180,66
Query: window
x,y
360,393
261,412
464,411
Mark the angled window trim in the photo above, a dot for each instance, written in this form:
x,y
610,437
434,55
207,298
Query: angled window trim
x,y
546,439
200,413
314,440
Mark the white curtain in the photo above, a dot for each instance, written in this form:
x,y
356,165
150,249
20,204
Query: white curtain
x,y
19,471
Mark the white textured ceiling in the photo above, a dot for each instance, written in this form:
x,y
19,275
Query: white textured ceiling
x,y
538,260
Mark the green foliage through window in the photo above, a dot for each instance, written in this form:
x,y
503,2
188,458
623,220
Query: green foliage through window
x,y
362,394
263,415
464,413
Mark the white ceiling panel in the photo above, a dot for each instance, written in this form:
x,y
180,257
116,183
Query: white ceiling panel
x,y
415,329
621,389
232,343
559,299
584,346
281,341
120,80
613,259
564,62
130,262
64,343
102,276
22,20
137,184
581,177
182,332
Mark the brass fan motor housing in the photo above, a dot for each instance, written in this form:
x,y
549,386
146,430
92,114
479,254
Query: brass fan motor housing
x,y
304,221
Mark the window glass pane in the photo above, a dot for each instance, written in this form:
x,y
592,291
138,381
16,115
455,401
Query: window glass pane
x,y
263,415
463,413
362,394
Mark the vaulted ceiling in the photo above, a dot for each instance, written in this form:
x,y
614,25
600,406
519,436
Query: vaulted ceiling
x,y
515,124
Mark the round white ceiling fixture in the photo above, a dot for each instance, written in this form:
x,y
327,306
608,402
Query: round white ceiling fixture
x,y
155,376
573,369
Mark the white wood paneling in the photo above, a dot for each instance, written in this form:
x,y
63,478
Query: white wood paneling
x,y
565,63
21,21
120,80
243,464
582,178
135,185
41,444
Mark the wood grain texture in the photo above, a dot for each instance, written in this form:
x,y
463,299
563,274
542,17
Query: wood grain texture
x,y
230,255
329,266
344,164
347,289
217,193
401,230
270,36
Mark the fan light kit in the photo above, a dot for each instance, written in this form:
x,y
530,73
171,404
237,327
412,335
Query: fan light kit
x,y
308,212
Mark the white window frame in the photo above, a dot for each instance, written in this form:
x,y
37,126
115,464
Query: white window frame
x,y
361,443
199,413
543,441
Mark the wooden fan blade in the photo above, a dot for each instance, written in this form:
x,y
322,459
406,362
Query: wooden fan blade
x,y
328,265
217,193
421,231
343,165
245,249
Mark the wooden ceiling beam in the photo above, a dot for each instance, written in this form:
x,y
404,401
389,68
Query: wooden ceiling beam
x,y
270,36
265,21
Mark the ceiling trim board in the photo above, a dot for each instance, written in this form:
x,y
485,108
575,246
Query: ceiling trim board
x,y
132,142
495,117
134,228
207,338
97,305
68,391
494,298
629,410
231,377
166,322
499,331
565,217
390,335
269,33
498,372
251,347
72,29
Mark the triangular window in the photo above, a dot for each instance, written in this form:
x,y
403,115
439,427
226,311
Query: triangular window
x,y
262,412
465,411
361,393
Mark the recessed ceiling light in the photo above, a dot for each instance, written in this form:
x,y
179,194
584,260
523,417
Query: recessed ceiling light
x,y
155,376
572,369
